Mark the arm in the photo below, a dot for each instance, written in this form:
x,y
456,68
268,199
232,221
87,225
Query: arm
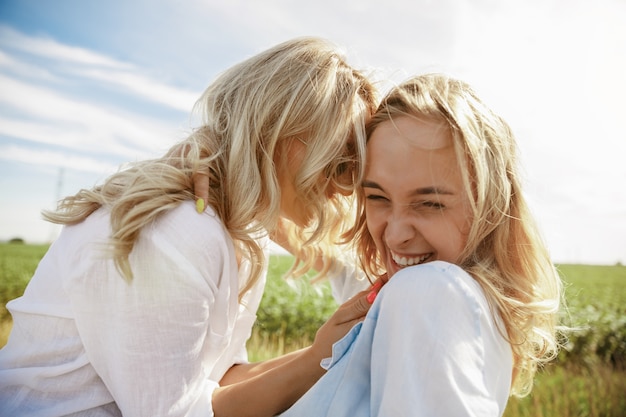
x,y
159,335
159,341
241,372
270,392
272,386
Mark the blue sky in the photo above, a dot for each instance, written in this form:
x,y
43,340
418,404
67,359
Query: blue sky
x,y
86,86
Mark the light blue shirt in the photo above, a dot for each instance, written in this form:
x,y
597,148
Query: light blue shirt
x,y
429,346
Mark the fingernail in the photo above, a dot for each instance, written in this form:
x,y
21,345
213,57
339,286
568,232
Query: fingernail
x,y
200,205
377,285
371,296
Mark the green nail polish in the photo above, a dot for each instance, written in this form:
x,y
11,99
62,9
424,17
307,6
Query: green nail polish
x,y
200,205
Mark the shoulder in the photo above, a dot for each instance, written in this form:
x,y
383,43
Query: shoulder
x,y
443,295
181,224
440,291
182,230
436,277
185,225
184,217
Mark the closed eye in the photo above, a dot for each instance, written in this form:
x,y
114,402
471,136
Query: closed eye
x,y
429,205
376,197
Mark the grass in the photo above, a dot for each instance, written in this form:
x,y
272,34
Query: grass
x,y
587,380
570,390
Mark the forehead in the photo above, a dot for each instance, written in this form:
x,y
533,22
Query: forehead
x,y
407,150
420,133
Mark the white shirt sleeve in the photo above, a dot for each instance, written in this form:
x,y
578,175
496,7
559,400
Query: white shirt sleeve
x,y
155,341
346,279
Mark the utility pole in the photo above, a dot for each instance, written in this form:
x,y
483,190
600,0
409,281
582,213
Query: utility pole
x,y
54,228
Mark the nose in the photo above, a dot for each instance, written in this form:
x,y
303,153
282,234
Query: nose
x,y
399,230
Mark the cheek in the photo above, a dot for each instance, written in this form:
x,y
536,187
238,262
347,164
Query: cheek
x,y
454,243
464,223
375,224
464,233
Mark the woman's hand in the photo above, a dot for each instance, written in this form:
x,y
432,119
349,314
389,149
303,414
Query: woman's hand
x,y
339,324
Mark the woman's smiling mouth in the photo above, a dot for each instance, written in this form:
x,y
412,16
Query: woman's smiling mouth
x,y
403,261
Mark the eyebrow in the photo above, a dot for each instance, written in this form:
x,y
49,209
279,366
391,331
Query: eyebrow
x,y
418,191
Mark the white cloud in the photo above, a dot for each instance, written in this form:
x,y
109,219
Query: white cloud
x,y
43,158
12,65
50,48
54,118
157,92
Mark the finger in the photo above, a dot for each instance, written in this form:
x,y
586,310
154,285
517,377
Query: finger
x,y
363,304
374,289
354,309
201,190
378,284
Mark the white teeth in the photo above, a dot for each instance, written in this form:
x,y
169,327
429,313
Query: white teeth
x,y
404,261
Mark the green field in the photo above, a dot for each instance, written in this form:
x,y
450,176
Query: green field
x,y
588,378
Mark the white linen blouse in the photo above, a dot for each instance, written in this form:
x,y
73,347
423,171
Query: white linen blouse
x,y
85,341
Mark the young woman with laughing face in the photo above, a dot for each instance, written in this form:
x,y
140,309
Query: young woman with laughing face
x,y
470,299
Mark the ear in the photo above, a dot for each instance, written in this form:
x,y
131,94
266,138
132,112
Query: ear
x,y
292,152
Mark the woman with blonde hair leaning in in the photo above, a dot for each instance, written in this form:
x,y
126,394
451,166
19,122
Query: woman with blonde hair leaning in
x,y
469,306
141,306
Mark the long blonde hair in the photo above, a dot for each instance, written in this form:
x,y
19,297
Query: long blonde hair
x,y
504,250
300,88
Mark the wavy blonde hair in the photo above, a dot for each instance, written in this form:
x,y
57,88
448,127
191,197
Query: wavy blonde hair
x,y
504,250
301,88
